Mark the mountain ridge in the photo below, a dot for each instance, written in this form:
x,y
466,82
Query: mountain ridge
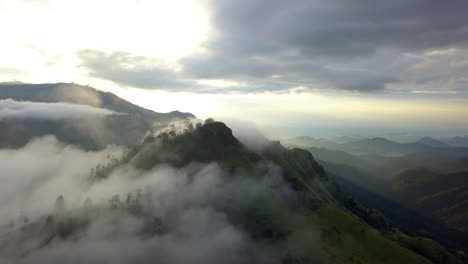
x,y
80,94
315,192
87,132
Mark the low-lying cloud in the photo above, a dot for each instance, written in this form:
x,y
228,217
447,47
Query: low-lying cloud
x,y
33,176
11,109
166,214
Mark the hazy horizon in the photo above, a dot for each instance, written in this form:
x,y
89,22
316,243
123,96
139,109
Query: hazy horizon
x,y
319,68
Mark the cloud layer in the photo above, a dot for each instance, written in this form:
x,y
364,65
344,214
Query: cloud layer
x,y
35,175
195,204
11,109
310,45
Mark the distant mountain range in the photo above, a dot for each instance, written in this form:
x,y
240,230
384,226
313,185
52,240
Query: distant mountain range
x,y
375,146
433,142
461,141
424,180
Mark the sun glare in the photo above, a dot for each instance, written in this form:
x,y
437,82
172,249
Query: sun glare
x,y
46,37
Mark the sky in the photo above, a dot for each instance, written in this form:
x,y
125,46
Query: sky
x,y
327,67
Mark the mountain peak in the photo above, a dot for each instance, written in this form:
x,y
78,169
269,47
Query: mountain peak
x,y
211,141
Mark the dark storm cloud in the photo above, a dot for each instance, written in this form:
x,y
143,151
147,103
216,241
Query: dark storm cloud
x,y
343,29
278,45
352,45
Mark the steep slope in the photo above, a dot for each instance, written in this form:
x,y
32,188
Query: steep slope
x,y
427,201
408,219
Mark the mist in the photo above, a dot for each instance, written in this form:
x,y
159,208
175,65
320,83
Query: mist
x,y
50,111
192,207
249,134
33,176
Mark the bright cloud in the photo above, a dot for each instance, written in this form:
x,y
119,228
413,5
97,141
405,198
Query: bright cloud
x,y
11,109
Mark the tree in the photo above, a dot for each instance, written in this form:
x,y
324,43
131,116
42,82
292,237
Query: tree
x,y
209,120
59,206
115,202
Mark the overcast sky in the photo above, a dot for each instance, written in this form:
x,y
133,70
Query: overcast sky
x,y
362,63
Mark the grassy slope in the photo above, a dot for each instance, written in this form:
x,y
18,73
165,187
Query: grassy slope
x,y
345,237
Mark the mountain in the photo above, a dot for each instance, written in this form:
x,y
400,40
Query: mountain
x,y
456,164
79,94
125,127
422,192
382,146
296,213
378,167
432,142
306,142
440,195
408,218
378,146
459,141
428,182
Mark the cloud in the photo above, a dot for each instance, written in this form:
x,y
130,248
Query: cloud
x,y
360,46
10,70
280,46
130,70
249,134
195,203
45,168
11,109
337,29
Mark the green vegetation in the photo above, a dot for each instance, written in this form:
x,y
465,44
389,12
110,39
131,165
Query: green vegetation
x,y
309,220
322,224
443,195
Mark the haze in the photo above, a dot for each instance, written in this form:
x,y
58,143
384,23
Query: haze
x,y
301,67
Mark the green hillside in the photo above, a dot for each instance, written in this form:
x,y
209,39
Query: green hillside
x,y
318,224
441,195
